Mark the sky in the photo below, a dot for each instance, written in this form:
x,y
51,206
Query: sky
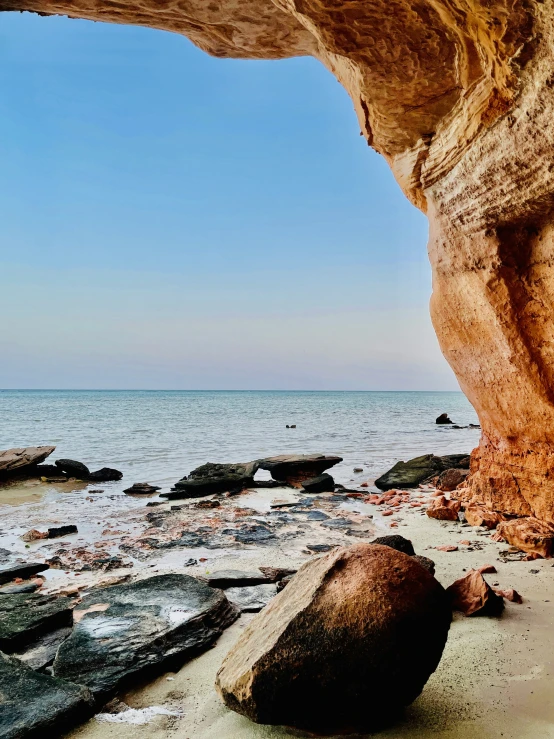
x,y
173,221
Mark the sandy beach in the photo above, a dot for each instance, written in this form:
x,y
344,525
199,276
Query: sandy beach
x,y
494,680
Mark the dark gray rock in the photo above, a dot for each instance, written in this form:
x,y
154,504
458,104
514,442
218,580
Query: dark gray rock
x,y
410,474
213,478
23,570
295,468
106,474
338,523
234,579
47,470
321,484
36,705
57,531
320,548
142,488
5,554
425,562
317,516
26,587
251,599
254,534
142,626
72,468
395,541
40,653
24,617
443,419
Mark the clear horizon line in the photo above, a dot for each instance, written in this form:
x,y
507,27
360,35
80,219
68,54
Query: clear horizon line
x,y
204,390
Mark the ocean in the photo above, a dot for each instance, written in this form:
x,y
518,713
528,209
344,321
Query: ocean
x,y
159,436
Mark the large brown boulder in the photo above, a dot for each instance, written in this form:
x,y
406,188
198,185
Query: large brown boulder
x,y
344,647
477,515
19,459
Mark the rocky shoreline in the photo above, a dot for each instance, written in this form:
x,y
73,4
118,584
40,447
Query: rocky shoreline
x,y
165,574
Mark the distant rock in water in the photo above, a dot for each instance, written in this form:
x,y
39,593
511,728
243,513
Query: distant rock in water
x,y
106,474
443,419
410,474
142,488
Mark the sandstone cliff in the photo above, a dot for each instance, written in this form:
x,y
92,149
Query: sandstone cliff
x,y
458,96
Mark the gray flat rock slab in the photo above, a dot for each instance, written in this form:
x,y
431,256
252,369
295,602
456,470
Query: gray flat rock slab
x,y
26,616
23,570
234,578
252,599
33,704
126,630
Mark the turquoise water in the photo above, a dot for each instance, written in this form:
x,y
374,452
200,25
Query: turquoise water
x,y
159,436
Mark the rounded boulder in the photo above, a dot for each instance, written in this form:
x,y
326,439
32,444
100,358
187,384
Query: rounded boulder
x,y
350,642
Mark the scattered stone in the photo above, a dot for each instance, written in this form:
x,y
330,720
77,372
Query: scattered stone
x,y
57,531
477,515
450,479
412,473
510,594
33,704
254,534
106,474
154,503
276,574
34,535
307,659
425,562
208,504
320,548
213,478
20,459
296,468
447,548
166,618
24,617
487,569
443,509
28,587
317,516
40,653
23,570
71,468
443,419
473,596
141,488
322,484
251,599
234,578
190,562
529,535
395,541
338,523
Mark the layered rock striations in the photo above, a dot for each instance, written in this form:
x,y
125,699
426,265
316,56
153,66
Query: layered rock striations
x,y
458,96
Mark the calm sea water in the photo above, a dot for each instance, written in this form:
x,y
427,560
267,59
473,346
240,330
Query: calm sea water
x,y
159,436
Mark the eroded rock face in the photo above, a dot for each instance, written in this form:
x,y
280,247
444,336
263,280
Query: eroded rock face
x,y
459,98
351,639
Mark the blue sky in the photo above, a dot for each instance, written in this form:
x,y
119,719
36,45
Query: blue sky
x,y
170,220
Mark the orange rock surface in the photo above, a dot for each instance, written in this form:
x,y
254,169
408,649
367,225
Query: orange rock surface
x,y
529,535
458,96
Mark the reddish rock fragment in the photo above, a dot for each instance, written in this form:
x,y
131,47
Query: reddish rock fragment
x,y
510,594
447,548
34,535
473,596
529,535
387,513
480,516
443,509
487,569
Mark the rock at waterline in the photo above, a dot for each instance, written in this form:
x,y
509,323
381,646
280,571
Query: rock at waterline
x,y
410,474
33,704
21,569
213,478
24,617
450,479
321,484
72,468
443,419
17,460
349,642
142,488
125,630
105,474
295,468
251,599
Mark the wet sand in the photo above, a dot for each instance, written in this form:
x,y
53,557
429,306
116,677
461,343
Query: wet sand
x,y
495,679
